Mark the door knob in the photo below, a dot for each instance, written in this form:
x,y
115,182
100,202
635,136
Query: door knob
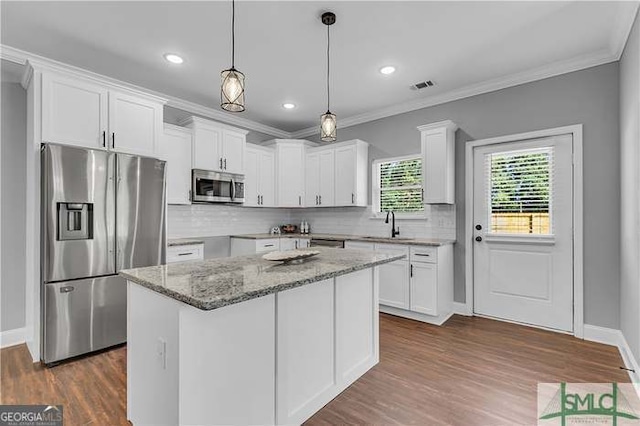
x,y
478,227
478,239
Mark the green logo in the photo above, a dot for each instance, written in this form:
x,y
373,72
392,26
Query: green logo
x,y
611,404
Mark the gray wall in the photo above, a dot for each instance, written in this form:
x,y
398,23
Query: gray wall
x,y
589,97
630,191
174,115
13,204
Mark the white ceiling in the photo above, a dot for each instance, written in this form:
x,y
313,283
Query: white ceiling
x,y
280,46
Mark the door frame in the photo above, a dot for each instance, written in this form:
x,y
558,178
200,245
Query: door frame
x,y
578,263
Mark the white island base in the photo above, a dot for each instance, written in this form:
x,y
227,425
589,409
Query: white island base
x,y
276,359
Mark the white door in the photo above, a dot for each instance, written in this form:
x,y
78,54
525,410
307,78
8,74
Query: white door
x,y
345,176
134,124
327,183
207,152
267,179
177,153
394,284
251,193
233,151
424,288
312,170
74,112
291,179
523,238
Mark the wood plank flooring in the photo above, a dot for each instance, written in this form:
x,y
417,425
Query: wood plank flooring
x,y
471,371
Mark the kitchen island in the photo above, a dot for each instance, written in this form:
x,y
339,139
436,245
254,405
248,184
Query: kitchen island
x,y
246,341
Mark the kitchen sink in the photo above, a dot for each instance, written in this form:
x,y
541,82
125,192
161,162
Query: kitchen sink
x,y
385,238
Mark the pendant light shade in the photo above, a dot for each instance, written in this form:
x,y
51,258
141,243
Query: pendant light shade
x,y
232,85
328,121
328,127
232,92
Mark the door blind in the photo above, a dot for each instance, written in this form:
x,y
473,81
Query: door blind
x,y
401,185
520,191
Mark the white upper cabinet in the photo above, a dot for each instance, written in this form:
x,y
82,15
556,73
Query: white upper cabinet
x,y
312,189
216,147
176,150
290,173
135,124
320,177
259,176
74,112
85,113
233,146
438,162
351,173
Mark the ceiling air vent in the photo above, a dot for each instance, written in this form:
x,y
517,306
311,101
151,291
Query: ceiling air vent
x,y
422,85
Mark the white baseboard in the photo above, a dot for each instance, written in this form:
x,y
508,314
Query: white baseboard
x,y
613,337
461,309
12,337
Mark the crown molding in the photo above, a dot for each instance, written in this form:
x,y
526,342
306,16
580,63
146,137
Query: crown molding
x,y
448,124
22,57
551,70
622,30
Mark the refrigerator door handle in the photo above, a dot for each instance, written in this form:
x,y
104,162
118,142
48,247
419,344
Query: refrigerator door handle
x,y
233,189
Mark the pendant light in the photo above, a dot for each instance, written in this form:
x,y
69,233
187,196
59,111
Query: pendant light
x,y
328,122
232,88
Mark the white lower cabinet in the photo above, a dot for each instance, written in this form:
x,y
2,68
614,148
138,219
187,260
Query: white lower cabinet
x,y
418,287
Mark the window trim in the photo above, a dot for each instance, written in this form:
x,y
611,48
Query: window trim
x,y
375,189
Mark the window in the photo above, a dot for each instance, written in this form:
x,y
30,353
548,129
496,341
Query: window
x,y
397,185
520,191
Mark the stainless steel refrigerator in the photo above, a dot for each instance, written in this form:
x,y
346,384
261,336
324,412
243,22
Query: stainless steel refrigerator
x,y
101,212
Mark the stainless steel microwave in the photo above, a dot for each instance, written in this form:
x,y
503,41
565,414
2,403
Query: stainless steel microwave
x,y
216,187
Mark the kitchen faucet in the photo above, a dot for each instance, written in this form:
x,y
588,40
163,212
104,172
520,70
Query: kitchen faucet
x,y
394,231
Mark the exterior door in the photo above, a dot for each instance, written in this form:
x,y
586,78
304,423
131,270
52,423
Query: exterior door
x,y
523,231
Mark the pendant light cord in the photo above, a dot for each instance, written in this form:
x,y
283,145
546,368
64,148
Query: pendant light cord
x,y
328,59
233,33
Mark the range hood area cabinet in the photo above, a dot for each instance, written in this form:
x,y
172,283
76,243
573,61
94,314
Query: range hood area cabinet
x,y
438,161
259,175
216,147
91,114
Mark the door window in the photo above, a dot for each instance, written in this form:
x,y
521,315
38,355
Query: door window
x,y
520,185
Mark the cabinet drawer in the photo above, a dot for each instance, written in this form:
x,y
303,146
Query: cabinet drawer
x,y
424,254
184,253
272,244
393,249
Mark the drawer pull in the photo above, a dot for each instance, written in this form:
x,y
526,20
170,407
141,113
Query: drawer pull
x,y
269,245
185,254
422,254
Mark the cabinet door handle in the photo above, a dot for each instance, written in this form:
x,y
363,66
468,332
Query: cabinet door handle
x,y
220,163
113,140
296,244
320,198
299,200
411,271
225,164
189,195
316,200
353,198
422,195
262,200
258,200
104,138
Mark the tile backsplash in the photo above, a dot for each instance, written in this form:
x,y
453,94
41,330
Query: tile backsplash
x,y
204,220
440,222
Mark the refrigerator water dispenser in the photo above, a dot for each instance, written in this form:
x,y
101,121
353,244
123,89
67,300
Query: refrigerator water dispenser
x,y
75,221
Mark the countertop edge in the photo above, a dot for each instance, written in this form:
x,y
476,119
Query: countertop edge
x,y
210,306
184,242
381,240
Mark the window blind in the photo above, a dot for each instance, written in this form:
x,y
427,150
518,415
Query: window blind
x,y
400,184
520,191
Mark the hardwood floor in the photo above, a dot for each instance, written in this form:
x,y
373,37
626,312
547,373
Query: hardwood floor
x,y
471,371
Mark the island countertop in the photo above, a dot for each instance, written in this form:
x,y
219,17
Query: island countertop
x,y
214,283
363,238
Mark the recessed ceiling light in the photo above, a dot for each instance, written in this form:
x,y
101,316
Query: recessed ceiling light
x,y
388,70
173,58
288,105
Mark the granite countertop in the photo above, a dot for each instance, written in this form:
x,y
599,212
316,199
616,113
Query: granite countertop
x,y
363,238
183,242
215,283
